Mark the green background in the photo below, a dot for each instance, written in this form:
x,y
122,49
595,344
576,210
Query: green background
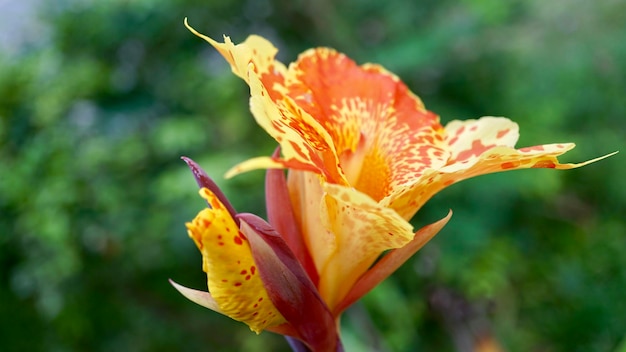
x,y
99,99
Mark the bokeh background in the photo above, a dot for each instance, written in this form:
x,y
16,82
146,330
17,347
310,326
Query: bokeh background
x,y
99,99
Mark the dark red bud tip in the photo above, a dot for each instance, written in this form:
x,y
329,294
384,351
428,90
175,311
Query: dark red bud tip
x,y
259,225
204,181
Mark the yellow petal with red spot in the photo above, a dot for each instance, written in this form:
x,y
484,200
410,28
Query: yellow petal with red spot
x,y
254,49
300,136
363,230
344,229
468,140
478,147
233,280
305,144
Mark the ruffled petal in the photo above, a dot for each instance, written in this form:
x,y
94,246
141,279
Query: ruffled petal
x,y
363,230
389,263
304,143
344,230
233,280
374,121
479,147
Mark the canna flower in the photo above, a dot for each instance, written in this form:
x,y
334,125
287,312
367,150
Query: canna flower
x,y
252,274
363,155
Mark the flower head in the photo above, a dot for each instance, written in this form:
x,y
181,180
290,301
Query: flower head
x,y
252,274
363,154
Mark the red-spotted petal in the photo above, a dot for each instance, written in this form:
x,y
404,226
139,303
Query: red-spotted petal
x,y
479,147
255,49
304,143
233,279
468,140
300,137
389,263
381,131
363,230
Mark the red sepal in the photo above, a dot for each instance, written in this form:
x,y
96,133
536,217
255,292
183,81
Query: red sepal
x,y
289,287
280,214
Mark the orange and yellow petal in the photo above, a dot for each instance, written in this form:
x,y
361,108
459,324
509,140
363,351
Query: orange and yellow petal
x,y
255,49
306,193
373,119
233,279
485,149
305,144
389,263
468,140
344,229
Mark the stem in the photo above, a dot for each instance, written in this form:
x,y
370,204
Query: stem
x,y
296,345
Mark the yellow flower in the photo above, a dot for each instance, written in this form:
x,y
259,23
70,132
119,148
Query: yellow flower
x,y
363,155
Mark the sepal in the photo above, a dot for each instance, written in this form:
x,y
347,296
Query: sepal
x,y
289,287
281,215
206,300
198,297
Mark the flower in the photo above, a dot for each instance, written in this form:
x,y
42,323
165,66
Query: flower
x,y
363,155
252,274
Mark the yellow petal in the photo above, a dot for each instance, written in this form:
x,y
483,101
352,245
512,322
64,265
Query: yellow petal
x,y
345,231
363,230
467,140
390,262
261,162
254,49
306,194
496,159
304,143
233,280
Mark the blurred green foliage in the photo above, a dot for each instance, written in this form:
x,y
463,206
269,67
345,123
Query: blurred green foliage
x,y
100,99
